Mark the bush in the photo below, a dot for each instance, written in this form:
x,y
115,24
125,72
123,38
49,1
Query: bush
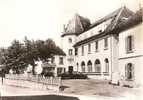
x,y
48,74
73,76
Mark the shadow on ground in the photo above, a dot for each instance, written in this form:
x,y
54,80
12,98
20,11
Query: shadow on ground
x,y
41,97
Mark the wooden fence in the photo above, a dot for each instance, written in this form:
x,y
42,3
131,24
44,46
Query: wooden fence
x,y
34,81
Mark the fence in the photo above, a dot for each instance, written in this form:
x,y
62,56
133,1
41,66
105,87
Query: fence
x,y
34,81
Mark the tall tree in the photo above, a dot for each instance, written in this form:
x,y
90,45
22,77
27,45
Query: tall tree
x,y
15,56
31,53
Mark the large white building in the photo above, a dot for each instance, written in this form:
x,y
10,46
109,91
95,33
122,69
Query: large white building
x,y
98,49
131,50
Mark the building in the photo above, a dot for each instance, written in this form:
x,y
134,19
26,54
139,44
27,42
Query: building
x,y
96,49
54,66
69,38
59,61
93,46
131,50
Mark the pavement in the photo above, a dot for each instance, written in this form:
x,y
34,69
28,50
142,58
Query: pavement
x,y
8,92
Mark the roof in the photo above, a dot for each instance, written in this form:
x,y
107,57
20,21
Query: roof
x,y
116,17
134,20
76,25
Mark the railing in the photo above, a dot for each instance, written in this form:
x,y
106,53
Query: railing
x,y
48,82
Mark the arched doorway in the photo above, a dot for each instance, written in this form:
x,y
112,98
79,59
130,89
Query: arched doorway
x,y
106,65
89,66
82,66
129,71
97,66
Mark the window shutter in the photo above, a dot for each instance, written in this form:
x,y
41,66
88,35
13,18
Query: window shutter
x,y
133,76
126,44
133,43
126,69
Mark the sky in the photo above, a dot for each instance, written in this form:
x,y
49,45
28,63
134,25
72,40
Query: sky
x,y
43,19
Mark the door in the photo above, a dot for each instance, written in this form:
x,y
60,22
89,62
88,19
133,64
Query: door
x,y
70,69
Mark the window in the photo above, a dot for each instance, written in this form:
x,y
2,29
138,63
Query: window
x,y
129,44
61,62
129,71
106,43
89,48
82,50
76,51
70,51
53,60
60,70
70,40
96,46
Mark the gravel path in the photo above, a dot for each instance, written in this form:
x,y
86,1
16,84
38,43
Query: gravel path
x,y
96,87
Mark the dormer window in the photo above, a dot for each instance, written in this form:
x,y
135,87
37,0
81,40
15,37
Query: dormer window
x,y
124,18
100,31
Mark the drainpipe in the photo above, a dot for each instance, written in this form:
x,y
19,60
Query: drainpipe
x,y
111,46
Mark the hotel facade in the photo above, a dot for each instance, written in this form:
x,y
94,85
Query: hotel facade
x,y
111,48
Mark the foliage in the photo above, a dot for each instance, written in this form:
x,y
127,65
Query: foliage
x,y
73,76
48,74
19,55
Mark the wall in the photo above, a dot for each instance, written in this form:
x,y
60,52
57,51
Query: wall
x,y
58,65
66,46
136,57
101,55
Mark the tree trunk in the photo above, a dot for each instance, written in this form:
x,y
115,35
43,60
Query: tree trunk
x,y
33,69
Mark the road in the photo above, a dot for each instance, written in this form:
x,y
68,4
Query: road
x,y
19,93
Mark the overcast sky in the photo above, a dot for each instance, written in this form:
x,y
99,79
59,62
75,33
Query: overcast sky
x,y
42,19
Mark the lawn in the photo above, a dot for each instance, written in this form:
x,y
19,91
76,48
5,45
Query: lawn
x,y
94,87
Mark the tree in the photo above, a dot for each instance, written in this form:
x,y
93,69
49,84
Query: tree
x,y
19,55
15,56
46,49
31,53
3,57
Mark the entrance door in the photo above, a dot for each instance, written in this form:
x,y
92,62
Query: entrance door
x,y
70,69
